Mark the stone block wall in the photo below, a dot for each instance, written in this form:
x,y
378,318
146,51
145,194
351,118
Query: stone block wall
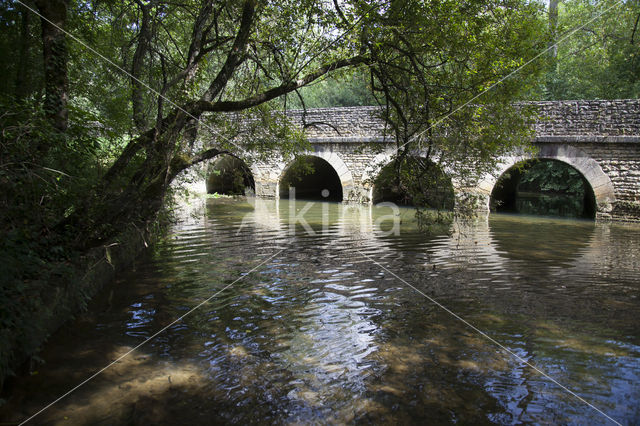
x,y
585,119
576,119
345,122
621,163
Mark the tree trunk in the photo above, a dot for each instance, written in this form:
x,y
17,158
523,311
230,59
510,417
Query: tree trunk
x,y
553,50
54,49
22,71
137,66
553,30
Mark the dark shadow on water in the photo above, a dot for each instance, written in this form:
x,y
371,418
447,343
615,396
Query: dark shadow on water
x,y
532,239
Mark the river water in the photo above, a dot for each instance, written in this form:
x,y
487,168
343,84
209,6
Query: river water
x,y
326,313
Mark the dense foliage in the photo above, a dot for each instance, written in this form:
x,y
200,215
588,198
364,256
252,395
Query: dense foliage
x,y
544,187
43,174
432,64
398,183
598,56
349,88
553,177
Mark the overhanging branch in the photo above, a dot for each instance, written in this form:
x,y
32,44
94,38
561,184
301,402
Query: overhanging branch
x,y
288,87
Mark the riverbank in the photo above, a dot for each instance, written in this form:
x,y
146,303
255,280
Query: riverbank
x,y
40,307
57,288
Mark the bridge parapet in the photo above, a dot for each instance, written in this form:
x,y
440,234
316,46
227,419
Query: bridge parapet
x,y
576,121
342,124
614,120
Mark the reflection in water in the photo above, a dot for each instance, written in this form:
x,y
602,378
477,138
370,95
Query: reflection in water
x,y
559,205
535,240
321,334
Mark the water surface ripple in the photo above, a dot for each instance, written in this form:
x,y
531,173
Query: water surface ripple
x,y
322,334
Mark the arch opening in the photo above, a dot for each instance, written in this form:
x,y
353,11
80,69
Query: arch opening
x,y
414,181
230,175
313,179
544,187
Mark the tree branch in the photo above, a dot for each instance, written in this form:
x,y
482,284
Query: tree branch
x,y
339,12
235,54
228,106
179,164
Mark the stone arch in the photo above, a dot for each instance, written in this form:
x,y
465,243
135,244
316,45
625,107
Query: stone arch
x,y
599,181
195,178
229,164
338,165
382,159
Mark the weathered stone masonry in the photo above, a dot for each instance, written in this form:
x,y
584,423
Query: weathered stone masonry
x,y
607,132
601,139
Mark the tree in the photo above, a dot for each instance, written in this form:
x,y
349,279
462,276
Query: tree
x,y
210,59
430,66
196,63
553,40
54,50
602,59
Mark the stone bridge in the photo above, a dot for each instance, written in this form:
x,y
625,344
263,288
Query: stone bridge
x,y
600,139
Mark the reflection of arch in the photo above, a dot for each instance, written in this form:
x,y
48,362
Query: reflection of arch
x,y
334,160
540,241
228,174
594,175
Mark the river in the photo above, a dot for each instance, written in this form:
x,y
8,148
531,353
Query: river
x,y
327,313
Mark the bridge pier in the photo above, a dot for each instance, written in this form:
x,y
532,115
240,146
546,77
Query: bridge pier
x,y
472,201
267,189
